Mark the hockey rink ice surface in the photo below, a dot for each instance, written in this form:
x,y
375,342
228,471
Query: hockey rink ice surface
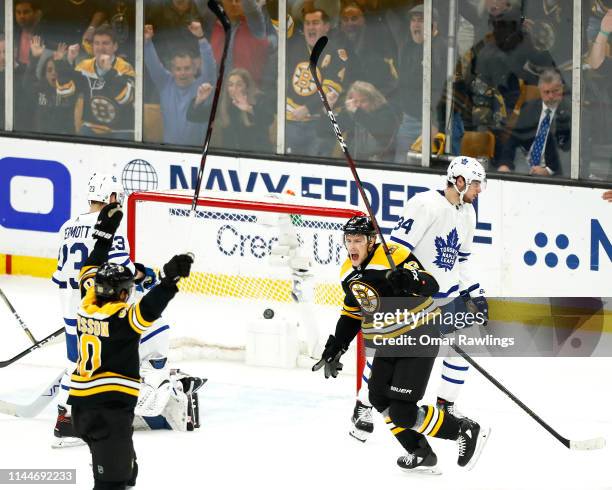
x,y
288,429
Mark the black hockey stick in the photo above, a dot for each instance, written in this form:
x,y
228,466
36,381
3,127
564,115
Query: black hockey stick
x,y
217,9
18,318
587,444
37,345
314,59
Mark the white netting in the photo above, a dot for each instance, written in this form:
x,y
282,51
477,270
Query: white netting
x,y
249,256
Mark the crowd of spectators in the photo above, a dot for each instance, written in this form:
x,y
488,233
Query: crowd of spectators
x,y
501,83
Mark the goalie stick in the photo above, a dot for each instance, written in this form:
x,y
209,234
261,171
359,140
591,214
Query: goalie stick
x,y
314,59
588,444
584,445
37,406
17,317
217,9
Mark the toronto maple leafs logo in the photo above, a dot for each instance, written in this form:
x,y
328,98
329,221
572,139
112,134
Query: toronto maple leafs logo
x,y
447,251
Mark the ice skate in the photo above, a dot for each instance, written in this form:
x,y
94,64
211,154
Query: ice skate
x,y
363,424
64,435
471,441
422,460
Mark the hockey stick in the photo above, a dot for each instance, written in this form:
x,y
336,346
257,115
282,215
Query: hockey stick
x,y
584,445
314,59
18,318
217,9
34,408
37,345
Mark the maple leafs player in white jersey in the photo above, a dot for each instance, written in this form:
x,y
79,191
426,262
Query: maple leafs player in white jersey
x,y
438,227
159,405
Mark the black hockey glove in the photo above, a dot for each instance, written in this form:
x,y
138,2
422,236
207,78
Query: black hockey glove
x,y
331,358
108,222
478,306
147,279
410,281
177,267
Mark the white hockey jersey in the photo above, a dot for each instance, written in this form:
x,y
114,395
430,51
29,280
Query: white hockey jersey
x,y
440,236
77,243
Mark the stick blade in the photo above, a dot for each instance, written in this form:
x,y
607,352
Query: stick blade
x,y
588,444
316,52
219,12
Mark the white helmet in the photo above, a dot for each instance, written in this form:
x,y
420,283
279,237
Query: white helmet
x,y
101,186
467,167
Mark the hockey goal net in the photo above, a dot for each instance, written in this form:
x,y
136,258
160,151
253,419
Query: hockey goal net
x,y
275,255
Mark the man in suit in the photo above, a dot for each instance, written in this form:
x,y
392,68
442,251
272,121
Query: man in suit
x,y
543,127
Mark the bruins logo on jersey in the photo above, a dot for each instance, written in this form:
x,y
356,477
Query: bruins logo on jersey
x,y
302,81
103,109
368,298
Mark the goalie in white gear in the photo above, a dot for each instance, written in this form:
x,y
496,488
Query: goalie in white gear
x,y
76,245
438,227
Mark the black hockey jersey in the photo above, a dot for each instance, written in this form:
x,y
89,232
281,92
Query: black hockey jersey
x,y
301,88
369,295
108,367
108,99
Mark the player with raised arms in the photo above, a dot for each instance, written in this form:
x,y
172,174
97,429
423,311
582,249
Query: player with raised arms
x,y
159,406
105,385
438,226
400,373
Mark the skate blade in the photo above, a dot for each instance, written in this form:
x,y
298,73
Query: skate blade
x,y
423,470
62,442
483,437
360,435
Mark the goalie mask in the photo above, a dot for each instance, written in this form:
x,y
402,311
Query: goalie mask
x,y
111,279
101,186
470,169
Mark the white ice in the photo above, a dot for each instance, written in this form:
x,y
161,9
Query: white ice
x,y
278,429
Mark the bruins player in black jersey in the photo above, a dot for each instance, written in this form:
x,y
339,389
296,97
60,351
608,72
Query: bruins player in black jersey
x,y
105,384
401,368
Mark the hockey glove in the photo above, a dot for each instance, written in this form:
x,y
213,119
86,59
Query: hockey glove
x,y
108,222
148,279
409,281
478,306
177,267
331,358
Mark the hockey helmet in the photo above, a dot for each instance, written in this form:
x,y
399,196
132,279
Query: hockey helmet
x,y
111,279
467,167
359,225
102,185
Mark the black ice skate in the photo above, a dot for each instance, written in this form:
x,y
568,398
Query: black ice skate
x,y
64,432
363,424
471,441
450,408
422,460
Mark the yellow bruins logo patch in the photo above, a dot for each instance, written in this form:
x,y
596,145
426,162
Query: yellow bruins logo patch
x,y
122,313
302,81
368,298
342,54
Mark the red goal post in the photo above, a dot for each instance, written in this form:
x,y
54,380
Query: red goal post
x,y
233,236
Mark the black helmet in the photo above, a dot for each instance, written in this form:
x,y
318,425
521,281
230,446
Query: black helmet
x,y
111,279
359,225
